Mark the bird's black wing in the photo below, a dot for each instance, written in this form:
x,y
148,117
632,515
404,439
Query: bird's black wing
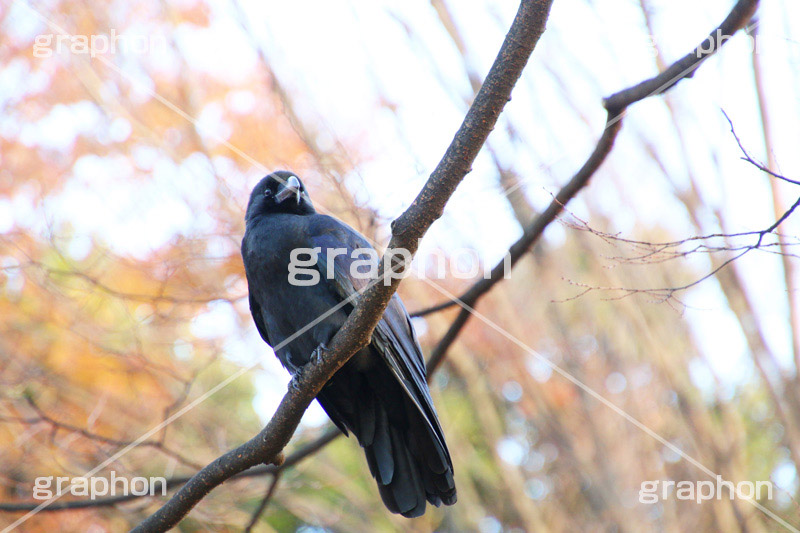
x,y
394,336
258,318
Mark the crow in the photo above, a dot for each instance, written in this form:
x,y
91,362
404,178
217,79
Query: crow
x,y
380,395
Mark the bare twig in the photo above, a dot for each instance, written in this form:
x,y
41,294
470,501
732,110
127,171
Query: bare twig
x,y
666,293
55,425
294,458
650,252
746,156
529,237
264,502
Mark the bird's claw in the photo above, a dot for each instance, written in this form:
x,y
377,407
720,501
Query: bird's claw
x,y
294,384
319,353
316,356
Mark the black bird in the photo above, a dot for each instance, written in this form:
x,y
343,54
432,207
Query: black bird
x,y
380,394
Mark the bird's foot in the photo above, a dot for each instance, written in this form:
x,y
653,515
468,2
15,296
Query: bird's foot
x,y
316,356
294,384
319,353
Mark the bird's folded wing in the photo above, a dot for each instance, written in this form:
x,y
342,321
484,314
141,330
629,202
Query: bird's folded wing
x,y
393,336
258,318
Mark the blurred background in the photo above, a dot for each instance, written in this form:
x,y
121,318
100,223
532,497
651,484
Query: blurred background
x,y
124,175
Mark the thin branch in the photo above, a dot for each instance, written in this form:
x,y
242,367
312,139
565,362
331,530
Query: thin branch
x,y
686,66
616,105
531,234
293,459
746,156
666,293
660,252
434,309
148,298
789,267
55,425
778,222
263,504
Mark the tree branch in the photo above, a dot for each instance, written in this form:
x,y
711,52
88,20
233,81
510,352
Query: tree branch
x,y
302,452
686,66
414,223
355,333
263,504
615,105
671,250
746,156
56,426
529,237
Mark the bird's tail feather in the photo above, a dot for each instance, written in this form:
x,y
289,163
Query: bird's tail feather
x,y
408,465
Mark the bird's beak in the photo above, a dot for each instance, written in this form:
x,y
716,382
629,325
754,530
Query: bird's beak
x,y
289,188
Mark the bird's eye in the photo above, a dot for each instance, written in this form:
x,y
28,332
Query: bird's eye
x,y
268,193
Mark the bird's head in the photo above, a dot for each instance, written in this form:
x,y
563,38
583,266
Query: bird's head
x,y
279,192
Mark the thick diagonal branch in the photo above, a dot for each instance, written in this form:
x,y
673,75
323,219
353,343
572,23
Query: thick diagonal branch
x,y
528,26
